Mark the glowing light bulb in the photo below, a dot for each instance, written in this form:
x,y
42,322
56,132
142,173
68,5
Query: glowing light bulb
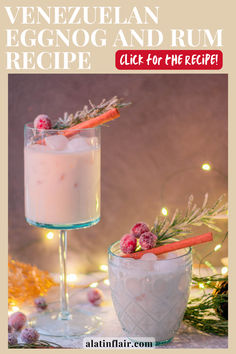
x,y
206,167
106,281
50,235
201,285
217,247
71,277
103,267
224,270
164,211
15,308
93,285
208,264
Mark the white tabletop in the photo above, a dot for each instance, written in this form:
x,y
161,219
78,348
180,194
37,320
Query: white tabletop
x,y
186,337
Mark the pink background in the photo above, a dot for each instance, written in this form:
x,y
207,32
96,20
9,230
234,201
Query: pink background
x,y
151,155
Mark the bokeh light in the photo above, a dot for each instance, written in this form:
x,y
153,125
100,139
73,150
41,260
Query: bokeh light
x,y
217,247
224,270
93,285
164,211
107,282
50,235
103,267
71,277
206,167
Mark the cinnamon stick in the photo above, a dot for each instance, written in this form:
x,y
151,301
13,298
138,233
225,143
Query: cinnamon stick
x,y
93,122
188,242
90,123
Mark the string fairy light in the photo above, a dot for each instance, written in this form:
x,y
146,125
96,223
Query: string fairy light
x,y
103,267
217,247
71,277
206,166
209,265
224,270
164,211
107,282
93,285
13,309
50,235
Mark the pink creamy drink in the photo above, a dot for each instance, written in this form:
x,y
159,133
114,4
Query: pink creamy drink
x,y
150,294
62,180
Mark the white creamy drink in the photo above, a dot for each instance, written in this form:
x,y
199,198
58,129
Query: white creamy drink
x,y
150,294
62,180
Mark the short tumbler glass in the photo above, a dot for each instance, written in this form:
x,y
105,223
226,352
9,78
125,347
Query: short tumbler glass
x,y
150,296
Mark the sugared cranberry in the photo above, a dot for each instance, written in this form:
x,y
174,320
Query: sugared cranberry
x,y
40,303
17,320
128,243
29,335
12,339
147,240
139,228
42,121
95,296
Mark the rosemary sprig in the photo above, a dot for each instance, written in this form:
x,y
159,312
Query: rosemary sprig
x,y
181,223
88,112
201,312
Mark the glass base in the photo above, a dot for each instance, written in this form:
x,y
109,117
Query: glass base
x,y
49,323
163,342
82,225
154,344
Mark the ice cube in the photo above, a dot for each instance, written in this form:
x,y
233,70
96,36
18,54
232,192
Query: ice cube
x,y
129,263
149,257
170,265
78,144
38,148
145,264
168,255
56,142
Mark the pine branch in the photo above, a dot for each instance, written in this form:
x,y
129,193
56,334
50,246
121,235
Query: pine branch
x,y
203,312
209,281
89,112
39,344
181,223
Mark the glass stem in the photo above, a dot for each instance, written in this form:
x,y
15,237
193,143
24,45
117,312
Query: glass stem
x,y
64,314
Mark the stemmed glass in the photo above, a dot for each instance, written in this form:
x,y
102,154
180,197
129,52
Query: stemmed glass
x,y
62,192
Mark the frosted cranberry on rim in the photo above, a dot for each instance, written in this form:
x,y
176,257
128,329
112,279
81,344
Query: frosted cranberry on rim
x,y
42,121
140,237
128,243
139,228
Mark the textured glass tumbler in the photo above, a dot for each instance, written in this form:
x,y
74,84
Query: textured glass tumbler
x,y
62,192
150,296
